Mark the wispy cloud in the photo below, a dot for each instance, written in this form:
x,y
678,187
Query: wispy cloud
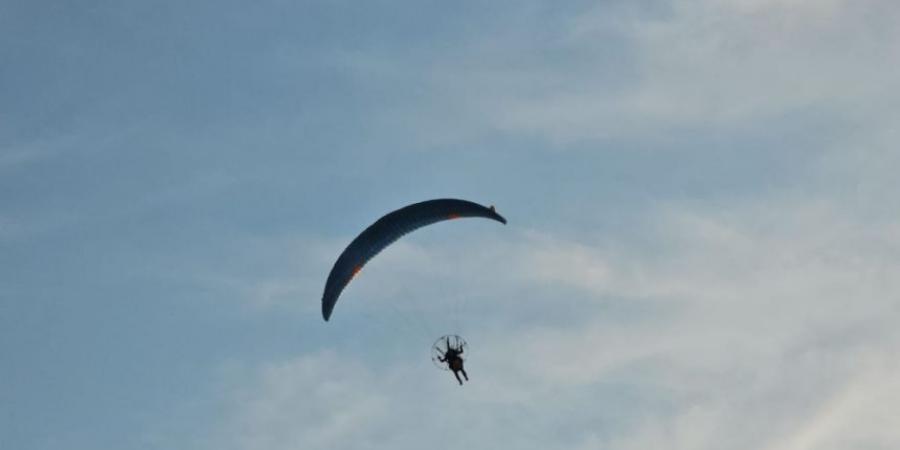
x,y
634,71
772,329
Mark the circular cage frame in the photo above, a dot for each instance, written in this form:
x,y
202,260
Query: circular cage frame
x,y
439,349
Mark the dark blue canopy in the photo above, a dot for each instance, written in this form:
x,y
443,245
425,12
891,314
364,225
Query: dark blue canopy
x,y
388,229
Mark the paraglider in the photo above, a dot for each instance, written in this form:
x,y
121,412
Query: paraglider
x,y
448,350
447,354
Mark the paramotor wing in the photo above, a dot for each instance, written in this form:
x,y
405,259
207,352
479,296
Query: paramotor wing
x,y
388,229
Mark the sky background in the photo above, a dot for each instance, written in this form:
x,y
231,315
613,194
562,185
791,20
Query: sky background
x,y
703,248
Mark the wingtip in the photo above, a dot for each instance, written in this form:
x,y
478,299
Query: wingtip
x,y
497,215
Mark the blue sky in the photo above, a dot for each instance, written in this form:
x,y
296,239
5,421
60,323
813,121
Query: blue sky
x,y
702,249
